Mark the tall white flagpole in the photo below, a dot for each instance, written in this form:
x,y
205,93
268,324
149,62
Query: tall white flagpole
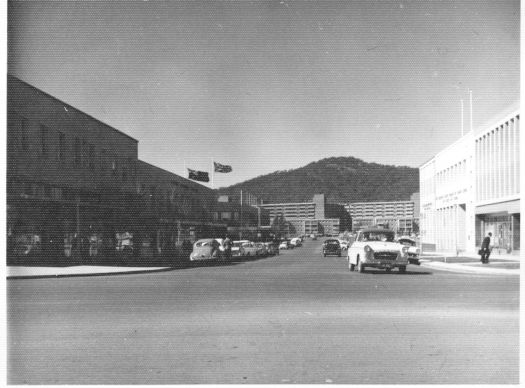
x,y
461,117
212,173
470,92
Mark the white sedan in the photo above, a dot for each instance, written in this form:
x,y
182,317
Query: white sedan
x,y
376,248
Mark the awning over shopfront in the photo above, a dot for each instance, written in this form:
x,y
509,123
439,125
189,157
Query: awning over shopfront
x,y
509,207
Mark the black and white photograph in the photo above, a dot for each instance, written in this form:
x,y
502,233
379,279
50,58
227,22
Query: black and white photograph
x,y
262,192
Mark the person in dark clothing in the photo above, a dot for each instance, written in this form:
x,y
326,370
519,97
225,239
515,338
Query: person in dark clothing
x,y
227,248
485,249
215,248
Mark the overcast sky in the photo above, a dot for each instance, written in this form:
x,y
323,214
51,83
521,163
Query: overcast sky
x,y
273,85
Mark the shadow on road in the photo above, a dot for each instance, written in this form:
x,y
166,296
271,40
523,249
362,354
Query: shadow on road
x,y
233,261
407,273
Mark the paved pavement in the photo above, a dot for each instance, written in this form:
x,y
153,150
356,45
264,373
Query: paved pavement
x,y
18,272
499,265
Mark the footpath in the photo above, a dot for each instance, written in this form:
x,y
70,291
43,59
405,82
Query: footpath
x,y
22,272
498,265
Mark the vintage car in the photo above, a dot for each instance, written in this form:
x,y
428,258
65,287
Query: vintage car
x,y
296,242
237,249
331,247
262,250
286,244
413,250
271,248
203,248
247,248
344,244
376,248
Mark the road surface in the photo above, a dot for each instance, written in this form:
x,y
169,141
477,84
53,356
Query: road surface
x,y
293,318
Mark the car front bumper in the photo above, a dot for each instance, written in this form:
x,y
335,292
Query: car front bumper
x,y
384,264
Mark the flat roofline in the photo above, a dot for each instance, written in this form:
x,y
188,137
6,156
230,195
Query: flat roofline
x,y
287,203
480,130
378,202
181,178
70,106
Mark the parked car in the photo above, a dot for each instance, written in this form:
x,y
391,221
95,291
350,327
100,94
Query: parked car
x,y
331,247
413,250
377,248
262,250
237,249
344,244
313,236
248,247
296,242
285,244
203,249
271,248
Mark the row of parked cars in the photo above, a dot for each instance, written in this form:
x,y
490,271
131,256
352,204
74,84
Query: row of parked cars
x,y
376,248
291,243
215,249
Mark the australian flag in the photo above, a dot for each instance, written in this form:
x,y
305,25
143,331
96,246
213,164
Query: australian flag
x,y
201,176
222,167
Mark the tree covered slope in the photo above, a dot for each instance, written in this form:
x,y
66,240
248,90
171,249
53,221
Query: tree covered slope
x,y
341,179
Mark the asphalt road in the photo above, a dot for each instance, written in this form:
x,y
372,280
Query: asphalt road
x,y
293,318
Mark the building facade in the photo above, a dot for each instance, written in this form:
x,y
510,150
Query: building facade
x,y
244,221
400,216
77,193
171,210
471,188
316,217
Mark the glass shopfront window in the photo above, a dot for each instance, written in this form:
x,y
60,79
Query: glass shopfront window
x,y
504,230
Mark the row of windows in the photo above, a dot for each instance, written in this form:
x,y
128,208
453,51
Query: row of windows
x,y
47,191
83,154
449,178
497,159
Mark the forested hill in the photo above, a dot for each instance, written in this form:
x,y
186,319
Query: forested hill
x,y
341,179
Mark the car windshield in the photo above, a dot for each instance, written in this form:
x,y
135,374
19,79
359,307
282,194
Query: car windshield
x,y
202,243
408,242
377,236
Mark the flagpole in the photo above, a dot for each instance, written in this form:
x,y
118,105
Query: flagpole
x,y
461,117
241,217
212,173
470,93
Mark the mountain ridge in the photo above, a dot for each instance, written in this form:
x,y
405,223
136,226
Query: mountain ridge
x,y
341,179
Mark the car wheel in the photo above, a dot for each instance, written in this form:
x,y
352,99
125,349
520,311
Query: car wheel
x,y
389,270
402,269
360,267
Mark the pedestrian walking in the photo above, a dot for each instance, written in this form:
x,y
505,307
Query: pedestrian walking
x,y
485,249
215,248
227,248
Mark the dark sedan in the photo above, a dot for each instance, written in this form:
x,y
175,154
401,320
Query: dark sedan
x,y
331,247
